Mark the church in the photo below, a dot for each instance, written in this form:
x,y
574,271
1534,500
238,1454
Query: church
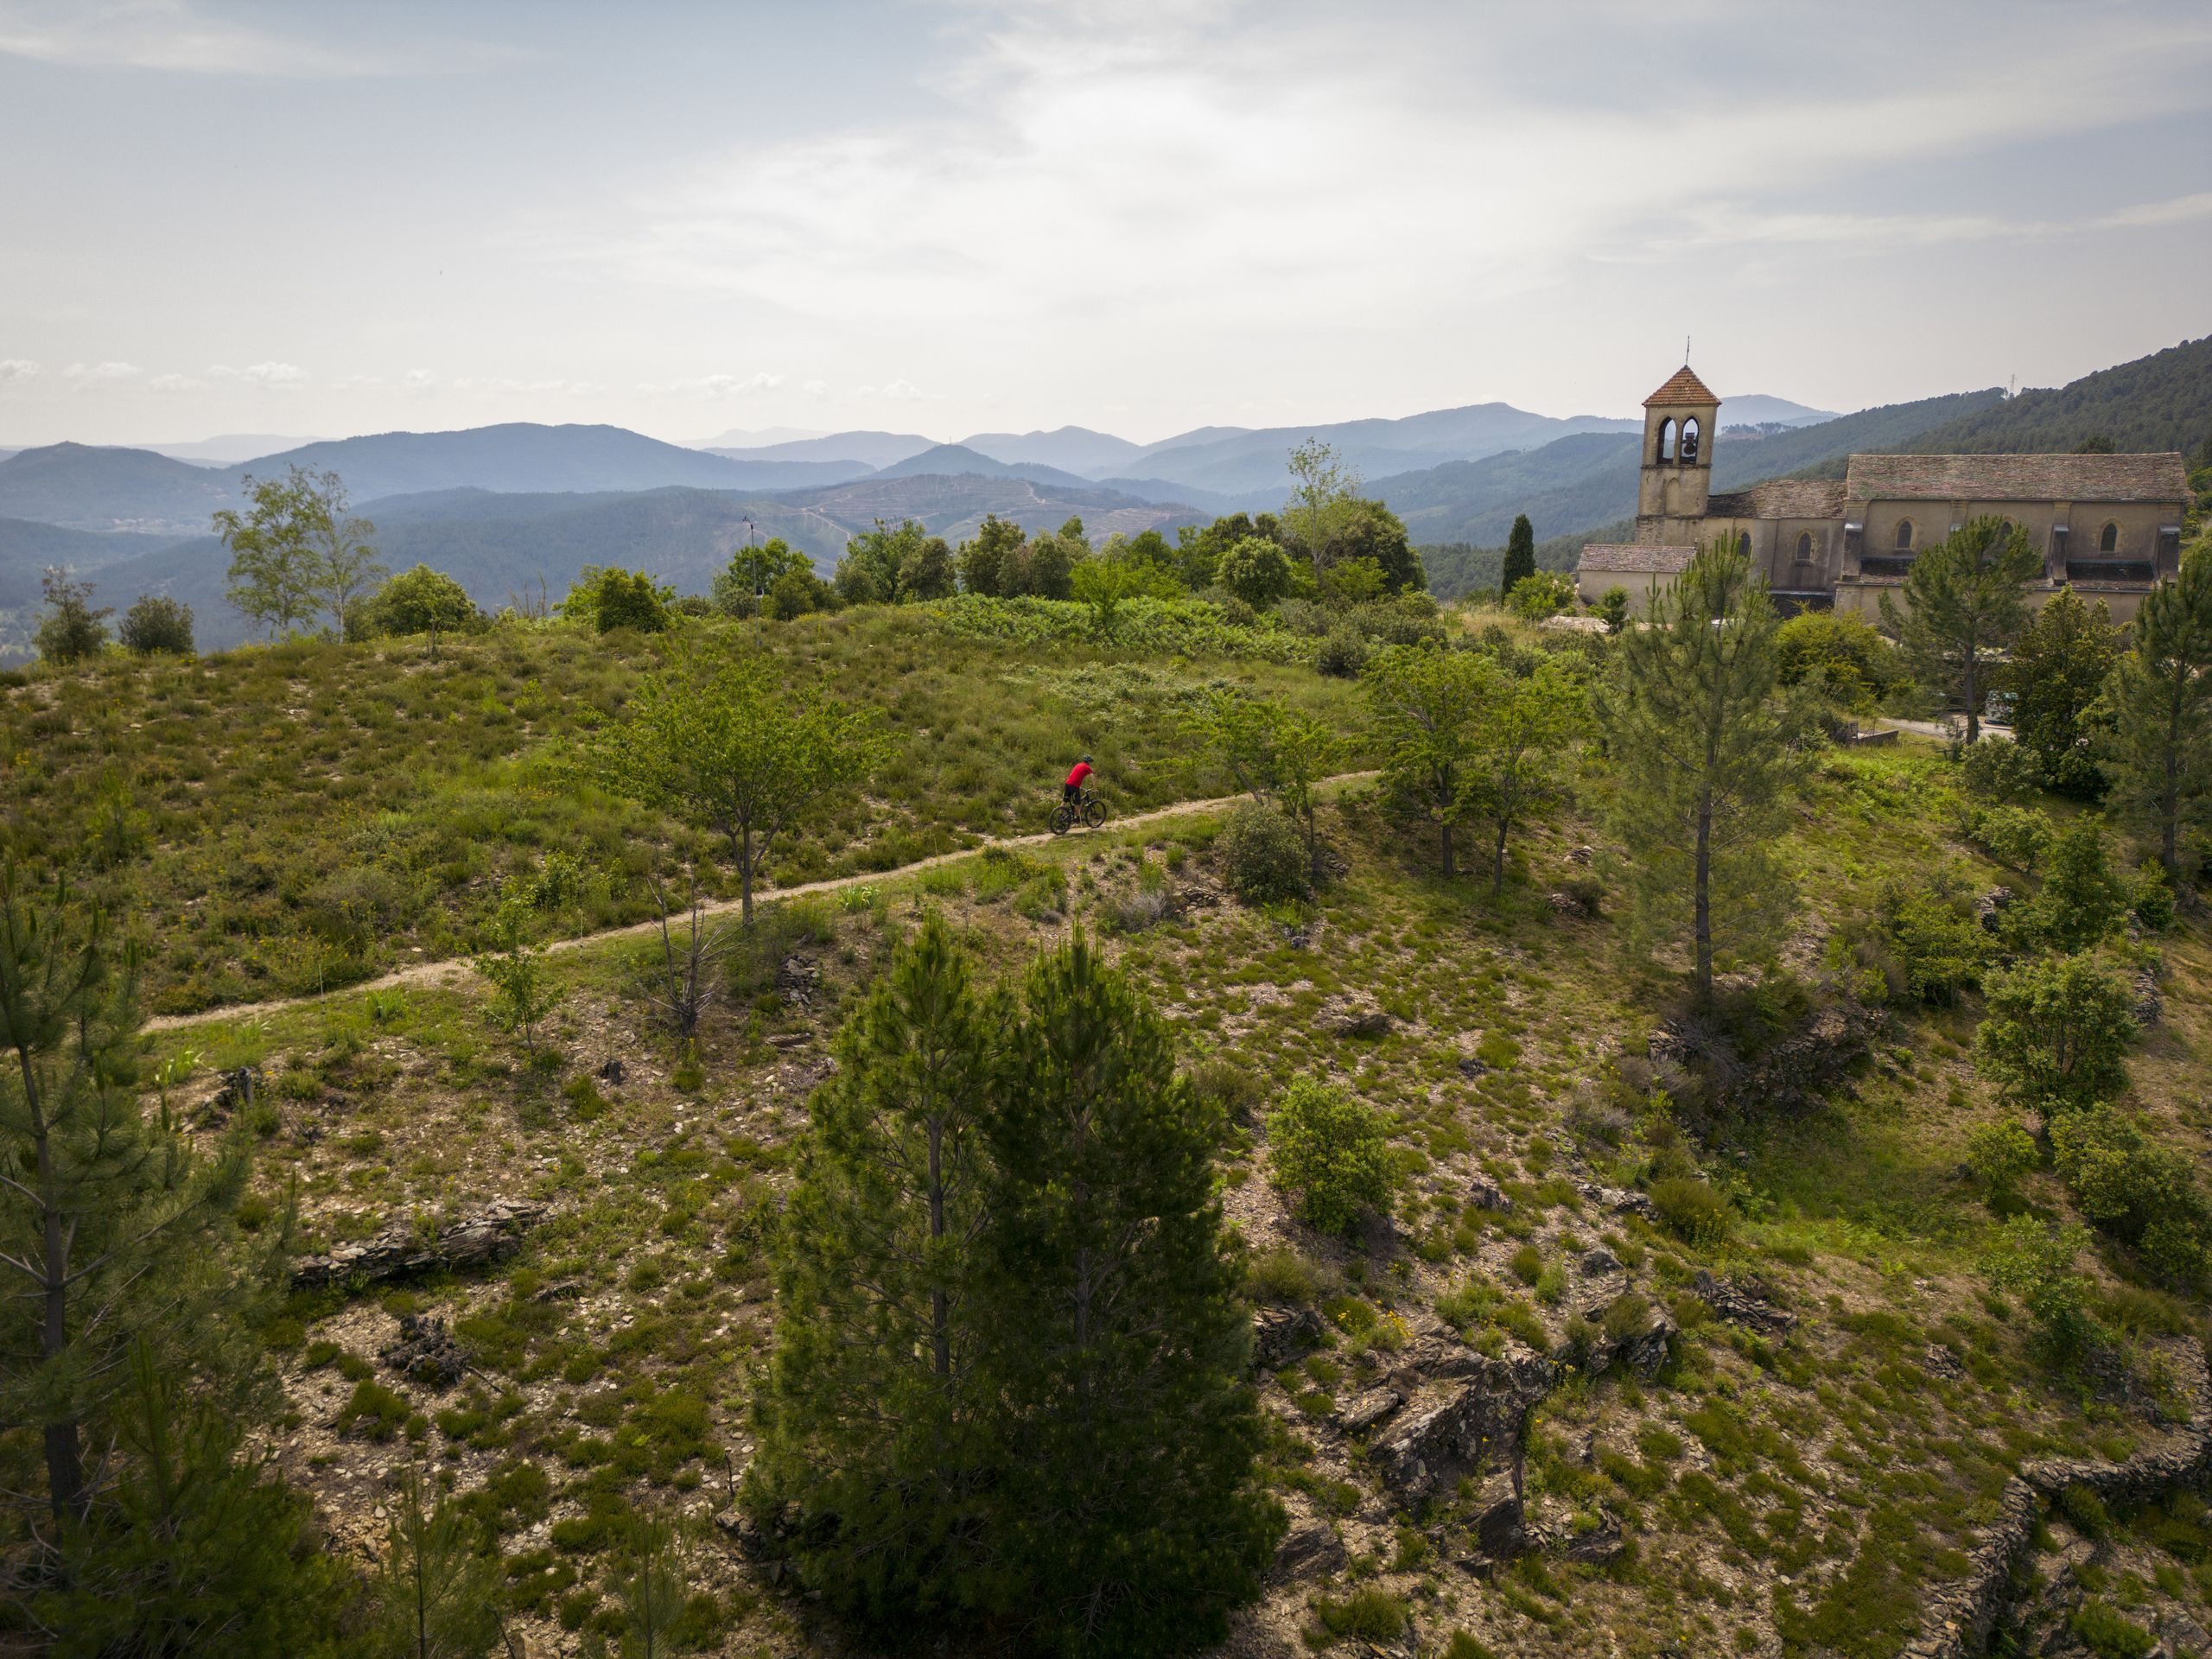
x,y
2108,526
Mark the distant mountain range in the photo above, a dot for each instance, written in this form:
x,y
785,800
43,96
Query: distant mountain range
x,y
505,507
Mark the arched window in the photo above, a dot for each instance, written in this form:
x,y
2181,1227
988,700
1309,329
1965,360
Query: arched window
x,y
2109,541
1667,440
1689,442
1905,535
1744,542
1805,547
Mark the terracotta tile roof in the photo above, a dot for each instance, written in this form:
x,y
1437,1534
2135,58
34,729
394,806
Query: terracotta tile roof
x,y
1782,498
1639,557
2019,478
1684,388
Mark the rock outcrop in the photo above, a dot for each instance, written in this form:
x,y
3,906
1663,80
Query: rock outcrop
x,y
1477,1425
1745,1302
490,1235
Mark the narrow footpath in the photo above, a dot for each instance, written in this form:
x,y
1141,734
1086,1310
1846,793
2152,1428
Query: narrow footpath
x,y
450,969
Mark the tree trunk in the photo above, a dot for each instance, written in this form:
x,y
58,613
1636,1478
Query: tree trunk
x,y
1446,827
744,874
940,1327
1973,714
1497,865
65,1463
1703,972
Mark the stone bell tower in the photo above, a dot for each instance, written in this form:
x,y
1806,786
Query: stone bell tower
x,y
1675,480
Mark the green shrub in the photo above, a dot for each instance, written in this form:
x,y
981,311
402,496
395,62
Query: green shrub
x,y
608,599
1332,1151
156,623
2015,837
2036,1263
2084,900
2152,904
1998,769
377,1410
1262,857
1343,653
1852,662
1543,594
1282,1276
2056,1034
1371,1612
1999,1153
2134,1188
1693,1210
2109,1633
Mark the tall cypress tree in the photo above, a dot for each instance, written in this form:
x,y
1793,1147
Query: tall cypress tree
x,y
1706,753
1519,556
1129,1518
867,1416
2160,699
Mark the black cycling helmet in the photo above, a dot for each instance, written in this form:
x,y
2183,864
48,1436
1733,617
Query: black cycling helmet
x,y
1086,759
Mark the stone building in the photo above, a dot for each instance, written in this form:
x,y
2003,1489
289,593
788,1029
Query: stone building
x,y
2110,525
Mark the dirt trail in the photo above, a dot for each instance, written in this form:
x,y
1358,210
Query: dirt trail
x,y
450,969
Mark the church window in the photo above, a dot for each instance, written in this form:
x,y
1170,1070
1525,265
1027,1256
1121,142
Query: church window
x,y
1805,547
1744,542
1667,440
1689,442
2109,541
1905,535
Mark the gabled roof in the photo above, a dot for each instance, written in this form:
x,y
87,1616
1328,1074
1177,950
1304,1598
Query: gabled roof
x,y
2019,478
1684,388
1635,557
1782,498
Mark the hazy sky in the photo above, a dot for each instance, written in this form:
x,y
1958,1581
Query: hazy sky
x,y
220,216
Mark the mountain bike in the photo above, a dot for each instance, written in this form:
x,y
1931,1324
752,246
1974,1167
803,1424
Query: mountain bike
x,y
1086,810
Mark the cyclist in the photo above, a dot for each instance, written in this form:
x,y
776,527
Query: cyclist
x,y
1076,777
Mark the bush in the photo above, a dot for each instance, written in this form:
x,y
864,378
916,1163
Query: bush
x,y
1856,666
1939,944
420,600
1343,653
1998,769
2152,906
1999,1155
2109,1633
1693,1210
2057,1035
1546,594
2083,899
1262,857
1612,605
156,623
612,598
2015,837
1372,1614
1257,571
2036,1263
72,629
1332,1151
2134,1188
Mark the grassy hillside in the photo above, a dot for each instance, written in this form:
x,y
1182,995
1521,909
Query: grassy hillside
x,y
1802,1490
290,819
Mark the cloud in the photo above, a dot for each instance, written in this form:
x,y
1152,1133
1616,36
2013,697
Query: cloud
x,y
418,380
101,374
273,377
175,383
18,368
1714,226
816,388
179,37
904,391
1224,168
715,385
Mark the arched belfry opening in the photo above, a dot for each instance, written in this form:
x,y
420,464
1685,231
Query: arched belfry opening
x,y
1666,456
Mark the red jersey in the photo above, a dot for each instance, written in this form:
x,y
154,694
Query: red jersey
x,y
1082,771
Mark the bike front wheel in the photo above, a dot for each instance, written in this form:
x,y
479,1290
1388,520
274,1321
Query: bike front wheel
x,y
1094,813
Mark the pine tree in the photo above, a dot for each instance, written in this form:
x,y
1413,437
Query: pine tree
x,y
1706,755
1963,606
437,1597
1519,557
867,1416
2057,670
2159,698
1127,1516
102,1214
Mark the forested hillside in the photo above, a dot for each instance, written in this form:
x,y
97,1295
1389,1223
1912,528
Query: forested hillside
x,y
2159,402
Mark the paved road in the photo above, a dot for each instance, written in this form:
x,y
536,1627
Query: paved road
x,y
426,973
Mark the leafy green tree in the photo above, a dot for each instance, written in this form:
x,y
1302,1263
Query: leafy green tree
x,y
796,593
1854,665
437,1596
1999,1153
1520,555
2057,1035
2057,671
1964,607
1275,754
1105,583
71,630
515,969
1546,594
1518,758
870,1418
2083,899
105,1218
1131,1519
1428,706
895,567
197,1547
1322,484
1707,758
1255,570
607,598
1364,531
741,587
2134,1188
156,623
1612,605
1332,1152
1199,549
2159,698
2035,1260
297,548
721,742
423,600
983,561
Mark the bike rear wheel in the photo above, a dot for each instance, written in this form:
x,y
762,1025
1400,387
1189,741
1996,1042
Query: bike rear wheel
x,y
1062,817
1094,813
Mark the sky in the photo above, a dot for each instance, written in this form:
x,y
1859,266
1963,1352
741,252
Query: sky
x,y
941,216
